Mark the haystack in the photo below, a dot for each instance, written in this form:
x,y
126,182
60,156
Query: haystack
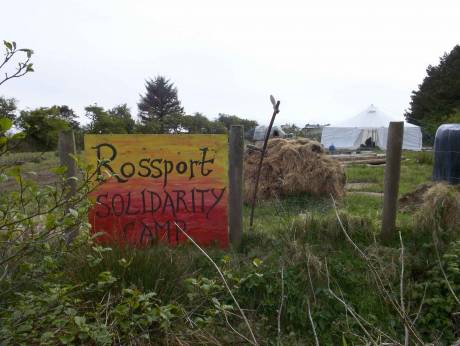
x,y
440,209
292,167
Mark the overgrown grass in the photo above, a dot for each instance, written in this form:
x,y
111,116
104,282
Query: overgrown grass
x,y
296,245
365,174
282,263
415,169
31,161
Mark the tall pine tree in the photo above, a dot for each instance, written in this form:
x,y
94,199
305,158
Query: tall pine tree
x,y
160,103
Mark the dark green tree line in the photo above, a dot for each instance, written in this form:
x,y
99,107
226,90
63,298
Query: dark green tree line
x,y
437,99
41,126
160,111
115,120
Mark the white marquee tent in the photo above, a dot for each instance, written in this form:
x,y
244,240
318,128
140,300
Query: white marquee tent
x,y
371,123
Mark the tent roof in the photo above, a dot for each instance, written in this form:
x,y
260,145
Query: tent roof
x,y
261,130
371,117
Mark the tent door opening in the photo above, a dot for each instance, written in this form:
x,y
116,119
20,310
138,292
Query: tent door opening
x,y
368,138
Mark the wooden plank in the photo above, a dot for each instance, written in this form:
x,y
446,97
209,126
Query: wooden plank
x,y
356,157
365,162
158,183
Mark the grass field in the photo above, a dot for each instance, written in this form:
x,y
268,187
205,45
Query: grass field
x,y
296,275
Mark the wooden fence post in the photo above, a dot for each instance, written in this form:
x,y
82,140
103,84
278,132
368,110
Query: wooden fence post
x,y
391,182
235,179
67,149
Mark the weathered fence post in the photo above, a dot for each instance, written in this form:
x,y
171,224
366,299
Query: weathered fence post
x,y
67,149
235,179
391,182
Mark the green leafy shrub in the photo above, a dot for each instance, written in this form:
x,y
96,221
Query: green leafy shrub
x,y
438,296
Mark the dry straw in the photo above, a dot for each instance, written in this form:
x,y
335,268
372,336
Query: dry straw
x,y
293,167
440,208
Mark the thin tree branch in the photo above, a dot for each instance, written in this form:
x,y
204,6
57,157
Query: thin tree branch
x,y
401,291
378,280
435,241
280,309
223,279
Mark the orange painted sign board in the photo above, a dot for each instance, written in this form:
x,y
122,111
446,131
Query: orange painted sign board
x,y
157,183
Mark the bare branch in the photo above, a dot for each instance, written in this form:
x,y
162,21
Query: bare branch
x,y
401,291
352,312
378,280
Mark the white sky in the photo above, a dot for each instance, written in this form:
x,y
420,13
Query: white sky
x,y
325,60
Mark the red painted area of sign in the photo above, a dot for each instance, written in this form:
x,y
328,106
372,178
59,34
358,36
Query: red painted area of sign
x,y
142,212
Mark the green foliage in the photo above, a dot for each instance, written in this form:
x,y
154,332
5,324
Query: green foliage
x,y
292,261
440,308
34,221
437,99
41,126
161,103
198,123
123,113
60,313
8,107
115,120
292,130
229,120
24,66
5,124
148,126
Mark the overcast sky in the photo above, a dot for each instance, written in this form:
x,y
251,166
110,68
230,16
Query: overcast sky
x,y
325,60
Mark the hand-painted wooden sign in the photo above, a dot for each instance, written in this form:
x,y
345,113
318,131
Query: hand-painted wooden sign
x,y
157,182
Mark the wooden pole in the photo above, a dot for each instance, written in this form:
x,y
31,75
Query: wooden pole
x,y
67,149
235,178
391,182
276,110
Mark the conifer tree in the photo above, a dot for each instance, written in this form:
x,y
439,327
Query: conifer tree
x,y
160,103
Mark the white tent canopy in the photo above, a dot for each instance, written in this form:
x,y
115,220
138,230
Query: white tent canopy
x,y
371,123
261,131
